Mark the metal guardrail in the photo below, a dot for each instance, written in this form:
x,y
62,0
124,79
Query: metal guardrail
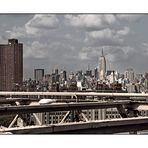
x,y
73,94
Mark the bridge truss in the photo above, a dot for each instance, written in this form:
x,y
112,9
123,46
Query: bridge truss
x,y
22,104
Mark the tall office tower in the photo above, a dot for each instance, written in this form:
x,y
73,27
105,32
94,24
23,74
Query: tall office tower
x,y
88,72
102,67
38,74
11,65
110,76
96,73
71,76
63,75
129,75
146,82
146,75
79,75
56,71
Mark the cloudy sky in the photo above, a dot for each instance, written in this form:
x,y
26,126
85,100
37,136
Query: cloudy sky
x,y
72,42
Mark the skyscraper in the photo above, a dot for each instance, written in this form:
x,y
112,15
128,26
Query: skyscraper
x,y
63,76
38,74
11,65
102,67
88,72
129,75
96,73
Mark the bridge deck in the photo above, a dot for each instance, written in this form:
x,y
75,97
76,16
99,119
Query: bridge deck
x,y
7,110
93,127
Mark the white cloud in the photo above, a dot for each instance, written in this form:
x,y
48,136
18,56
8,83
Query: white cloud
x,y
123,31
113,54
106,33
83,56
41,22
98,21
88,53
109,18
45,40
36,50
16,32
90,22
128,50
107,36
109,33
111,57
38,26
49,50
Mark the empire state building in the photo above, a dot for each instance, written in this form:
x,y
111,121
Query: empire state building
x,y
102,67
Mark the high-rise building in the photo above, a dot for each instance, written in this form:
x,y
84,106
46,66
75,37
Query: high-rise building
x,y
146,82
146,75
11,65
96,73
129,75
102,67
38,74
63,75
56,71
88,72
110,75
79,75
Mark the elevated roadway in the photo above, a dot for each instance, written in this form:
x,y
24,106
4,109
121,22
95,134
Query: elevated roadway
x,y
23,109
93,127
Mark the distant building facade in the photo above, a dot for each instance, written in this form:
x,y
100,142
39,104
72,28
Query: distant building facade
x,y
102,67
110,75
129,75
38,74
96,73
11,65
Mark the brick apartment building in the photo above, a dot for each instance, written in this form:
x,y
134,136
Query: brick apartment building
x,y
11,65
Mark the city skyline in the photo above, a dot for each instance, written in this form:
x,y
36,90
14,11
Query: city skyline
x,y
71,42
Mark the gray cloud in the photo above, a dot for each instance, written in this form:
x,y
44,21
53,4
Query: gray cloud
x,y
90,22
37,26
74,41
40,23
36,50
127,17
107,36
43,21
